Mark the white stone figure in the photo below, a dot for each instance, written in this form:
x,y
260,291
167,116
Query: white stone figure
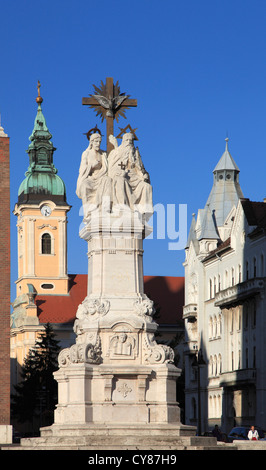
x,y
130,181
118,160
93,184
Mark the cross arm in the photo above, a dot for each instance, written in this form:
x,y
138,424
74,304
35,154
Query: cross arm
x,y
94,102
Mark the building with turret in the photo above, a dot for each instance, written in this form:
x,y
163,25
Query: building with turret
x,y
225,307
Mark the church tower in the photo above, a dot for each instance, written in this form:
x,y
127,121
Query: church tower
x,y
41,210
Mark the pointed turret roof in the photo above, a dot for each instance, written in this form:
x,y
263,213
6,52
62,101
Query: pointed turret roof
x,y
208,228
41,180
226,190
226,161
192,232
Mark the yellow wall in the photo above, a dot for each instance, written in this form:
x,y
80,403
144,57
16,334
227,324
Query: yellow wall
x,y
33,266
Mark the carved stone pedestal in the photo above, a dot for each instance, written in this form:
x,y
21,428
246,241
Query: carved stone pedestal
x,y
116,372
116,384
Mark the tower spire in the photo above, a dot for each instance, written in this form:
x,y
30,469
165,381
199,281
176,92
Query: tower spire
x,y
39,99
41,179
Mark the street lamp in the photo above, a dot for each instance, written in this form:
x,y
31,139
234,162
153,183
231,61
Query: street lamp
x,y
197,363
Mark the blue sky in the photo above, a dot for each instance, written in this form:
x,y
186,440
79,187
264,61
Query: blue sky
x,y
197,69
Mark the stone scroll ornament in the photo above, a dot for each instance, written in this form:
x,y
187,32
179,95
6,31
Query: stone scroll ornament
x,y
144,307
88,310
155,353
89,352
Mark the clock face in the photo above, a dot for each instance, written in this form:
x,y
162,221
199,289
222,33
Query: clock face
x,y
46,211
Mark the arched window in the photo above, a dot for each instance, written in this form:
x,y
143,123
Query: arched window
x,y
211,366
247,271
215,326
210,287
46,244
219,325
239,273
262,265
215,365
214,287
232,276
254,267
210,328
226,279
220,364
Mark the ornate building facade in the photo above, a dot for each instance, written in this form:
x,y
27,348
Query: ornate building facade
x,y
225,305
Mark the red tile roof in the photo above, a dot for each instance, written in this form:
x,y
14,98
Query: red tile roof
x,y
166,292
255,212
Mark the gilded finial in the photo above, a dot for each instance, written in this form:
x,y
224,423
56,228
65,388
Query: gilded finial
x,y
39,99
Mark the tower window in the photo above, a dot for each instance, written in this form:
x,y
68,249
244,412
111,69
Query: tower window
x,y
47,286
46,244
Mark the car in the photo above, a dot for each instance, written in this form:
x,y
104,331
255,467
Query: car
x,y
240,433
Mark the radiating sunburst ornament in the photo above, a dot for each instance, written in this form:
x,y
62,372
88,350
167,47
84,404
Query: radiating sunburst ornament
x,y
109,103
110,106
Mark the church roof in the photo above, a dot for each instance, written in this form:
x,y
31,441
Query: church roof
x,y
166,292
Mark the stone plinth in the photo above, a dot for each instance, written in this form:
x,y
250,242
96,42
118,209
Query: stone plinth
x,y
116,384
116,372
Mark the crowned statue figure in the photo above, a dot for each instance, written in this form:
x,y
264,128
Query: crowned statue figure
x,y
119,181
130,181
93,184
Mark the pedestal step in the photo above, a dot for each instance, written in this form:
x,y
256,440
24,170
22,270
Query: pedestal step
x,y
119,442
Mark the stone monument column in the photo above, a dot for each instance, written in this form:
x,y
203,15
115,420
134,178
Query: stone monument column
x,y
115,380
115,372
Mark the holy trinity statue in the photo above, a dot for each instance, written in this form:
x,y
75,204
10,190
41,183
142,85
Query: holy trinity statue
x,y
121,178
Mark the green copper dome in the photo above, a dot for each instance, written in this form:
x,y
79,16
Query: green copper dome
x,y
41,179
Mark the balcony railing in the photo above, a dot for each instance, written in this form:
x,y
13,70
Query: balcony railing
x,y
235,295
238,377
190,312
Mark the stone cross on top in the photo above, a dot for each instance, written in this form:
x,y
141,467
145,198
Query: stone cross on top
x,y
109,103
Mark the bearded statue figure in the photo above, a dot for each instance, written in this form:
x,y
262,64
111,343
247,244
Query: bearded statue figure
x,y
130,181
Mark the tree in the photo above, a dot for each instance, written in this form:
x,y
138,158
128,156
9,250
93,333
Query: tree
x,y
36,393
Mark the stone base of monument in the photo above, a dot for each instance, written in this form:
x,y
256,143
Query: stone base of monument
x,y
119,437
114,393
116,384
